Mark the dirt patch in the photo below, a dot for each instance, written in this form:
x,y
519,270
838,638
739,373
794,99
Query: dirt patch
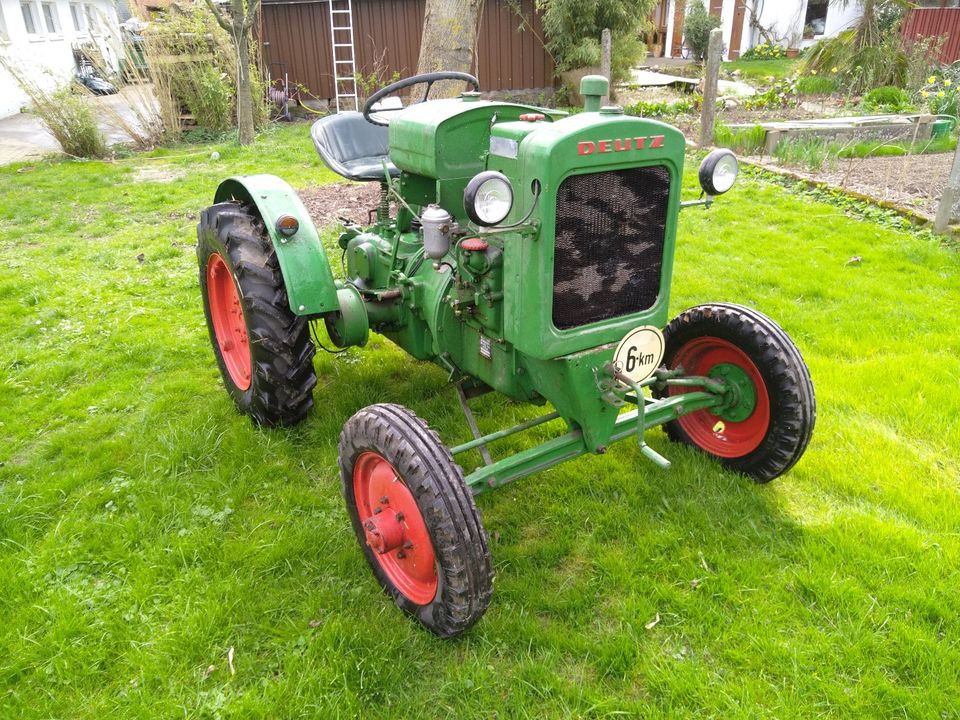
x,y
158,175
912,181
327,204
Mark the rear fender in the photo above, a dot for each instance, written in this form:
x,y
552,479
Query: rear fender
x,y
303,262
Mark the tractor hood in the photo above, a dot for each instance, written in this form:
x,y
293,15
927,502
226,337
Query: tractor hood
x,y
446,139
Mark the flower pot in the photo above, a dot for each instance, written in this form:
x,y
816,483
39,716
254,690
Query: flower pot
x,y
793,52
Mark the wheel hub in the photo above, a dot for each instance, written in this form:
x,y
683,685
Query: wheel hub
x,y
740,392
394,528
738,426
384,532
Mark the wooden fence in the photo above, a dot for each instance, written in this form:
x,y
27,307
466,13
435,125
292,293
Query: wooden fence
x,y
296,37
934,22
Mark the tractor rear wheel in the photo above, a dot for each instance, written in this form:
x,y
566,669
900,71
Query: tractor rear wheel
x,y
415,518
767,427
264,351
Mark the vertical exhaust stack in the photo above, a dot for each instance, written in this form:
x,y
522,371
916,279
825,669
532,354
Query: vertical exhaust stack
x,y
593,88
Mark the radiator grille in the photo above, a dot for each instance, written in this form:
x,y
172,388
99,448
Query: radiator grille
x,y
609,244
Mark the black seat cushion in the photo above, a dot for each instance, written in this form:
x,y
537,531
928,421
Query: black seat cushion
x,y
353,147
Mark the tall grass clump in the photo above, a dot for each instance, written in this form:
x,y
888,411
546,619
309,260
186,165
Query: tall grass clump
x,y
814,153
67,115
747,141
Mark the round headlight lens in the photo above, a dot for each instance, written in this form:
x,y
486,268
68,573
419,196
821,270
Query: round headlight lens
x,y
488,198
718,172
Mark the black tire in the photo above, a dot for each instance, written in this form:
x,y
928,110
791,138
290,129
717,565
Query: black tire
x,y
786,380
281,378
424,465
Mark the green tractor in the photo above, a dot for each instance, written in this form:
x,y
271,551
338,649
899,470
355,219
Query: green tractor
x,y
530,253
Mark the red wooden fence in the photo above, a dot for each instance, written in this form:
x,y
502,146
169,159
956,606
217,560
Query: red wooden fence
x,y
296,40
933,22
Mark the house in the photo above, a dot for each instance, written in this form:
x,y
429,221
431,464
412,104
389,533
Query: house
x,y
49,39
747,23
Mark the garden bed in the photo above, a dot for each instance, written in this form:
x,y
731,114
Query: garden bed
x,y
911,182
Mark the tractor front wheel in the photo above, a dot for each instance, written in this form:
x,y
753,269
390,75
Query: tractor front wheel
x,y
264,351
766,425
415,518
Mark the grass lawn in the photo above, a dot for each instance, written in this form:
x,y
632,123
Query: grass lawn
x,y
147,528
761,70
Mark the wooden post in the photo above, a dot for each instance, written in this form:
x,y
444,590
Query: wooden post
x,y
951,193
710,80
606,54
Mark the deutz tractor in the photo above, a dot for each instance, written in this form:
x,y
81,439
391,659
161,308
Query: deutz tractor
x,y
529,253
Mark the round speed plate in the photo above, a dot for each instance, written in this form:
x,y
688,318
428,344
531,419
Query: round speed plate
x,y
640,353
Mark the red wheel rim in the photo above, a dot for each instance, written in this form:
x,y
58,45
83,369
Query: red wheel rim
x,y
723,438
395,529
229,326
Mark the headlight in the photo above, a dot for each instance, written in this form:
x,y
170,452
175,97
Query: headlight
x,y
718,172
488,198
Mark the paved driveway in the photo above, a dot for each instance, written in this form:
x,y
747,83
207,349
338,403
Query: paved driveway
x,y
23,136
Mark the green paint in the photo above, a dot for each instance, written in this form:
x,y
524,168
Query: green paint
x,y
303,262
485,316
741,393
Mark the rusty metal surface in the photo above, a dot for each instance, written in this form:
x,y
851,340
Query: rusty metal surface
x,y
387,36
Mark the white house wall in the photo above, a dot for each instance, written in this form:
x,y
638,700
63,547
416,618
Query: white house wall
x,y
48,57
783,18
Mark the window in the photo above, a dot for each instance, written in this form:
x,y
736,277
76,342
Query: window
x,y
4,37
30,21
92,22
76,13
50,18
816,20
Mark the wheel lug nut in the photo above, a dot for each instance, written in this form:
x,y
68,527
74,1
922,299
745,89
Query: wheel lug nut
x,y
401,554
407,545
377,510
384,500
400,517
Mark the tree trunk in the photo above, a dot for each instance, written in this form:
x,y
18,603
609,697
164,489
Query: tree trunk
x,y
241,17
245,129
449,40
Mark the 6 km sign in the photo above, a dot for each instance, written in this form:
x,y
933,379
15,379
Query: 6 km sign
x,y
640,353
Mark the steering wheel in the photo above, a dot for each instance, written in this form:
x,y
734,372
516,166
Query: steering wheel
x,y
427,79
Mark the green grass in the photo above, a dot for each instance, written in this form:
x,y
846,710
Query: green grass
x,y
778,69
147,528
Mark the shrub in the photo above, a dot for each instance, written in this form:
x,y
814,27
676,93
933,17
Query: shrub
x,y
889,61
73,123
205,92
887,99
696,29
665,109
780,95
764,51
573,27
67,115
193,67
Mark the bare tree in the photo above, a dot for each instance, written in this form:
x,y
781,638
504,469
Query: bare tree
x,y
449,40
242,15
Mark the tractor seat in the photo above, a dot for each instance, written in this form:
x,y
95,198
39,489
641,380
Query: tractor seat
x,y
353,147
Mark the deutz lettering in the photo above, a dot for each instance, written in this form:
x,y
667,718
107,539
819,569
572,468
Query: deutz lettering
x,y
588,147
